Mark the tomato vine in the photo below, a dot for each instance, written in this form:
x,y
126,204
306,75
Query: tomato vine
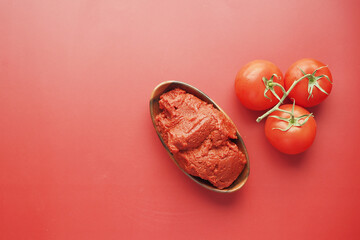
x,y
269,85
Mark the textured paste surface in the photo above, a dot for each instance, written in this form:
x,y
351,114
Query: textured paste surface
x,y
199,136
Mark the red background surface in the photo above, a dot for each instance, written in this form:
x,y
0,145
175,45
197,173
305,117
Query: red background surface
x,y
79,158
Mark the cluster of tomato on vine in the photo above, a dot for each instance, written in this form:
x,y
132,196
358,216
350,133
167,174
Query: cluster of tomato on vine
x,y
260,85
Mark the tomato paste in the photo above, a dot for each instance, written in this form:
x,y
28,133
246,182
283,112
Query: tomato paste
x,y
199,136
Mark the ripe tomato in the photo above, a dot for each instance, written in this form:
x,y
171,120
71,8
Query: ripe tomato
x,y
312,90
297,138
250,87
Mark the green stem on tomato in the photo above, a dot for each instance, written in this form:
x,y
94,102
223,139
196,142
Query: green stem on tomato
x,y
282,89
279,85
286,93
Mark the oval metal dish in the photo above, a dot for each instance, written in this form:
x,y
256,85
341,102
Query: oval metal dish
x,y
154,110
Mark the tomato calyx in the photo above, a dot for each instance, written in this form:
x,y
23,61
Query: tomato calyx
x,y
269,86
292,120
313,81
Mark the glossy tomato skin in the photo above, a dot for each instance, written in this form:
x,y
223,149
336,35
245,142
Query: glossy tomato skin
x,y
296,139
300,91
250,87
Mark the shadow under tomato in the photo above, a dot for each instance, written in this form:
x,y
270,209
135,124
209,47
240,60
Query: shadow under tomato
x,y
316,110
292,160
